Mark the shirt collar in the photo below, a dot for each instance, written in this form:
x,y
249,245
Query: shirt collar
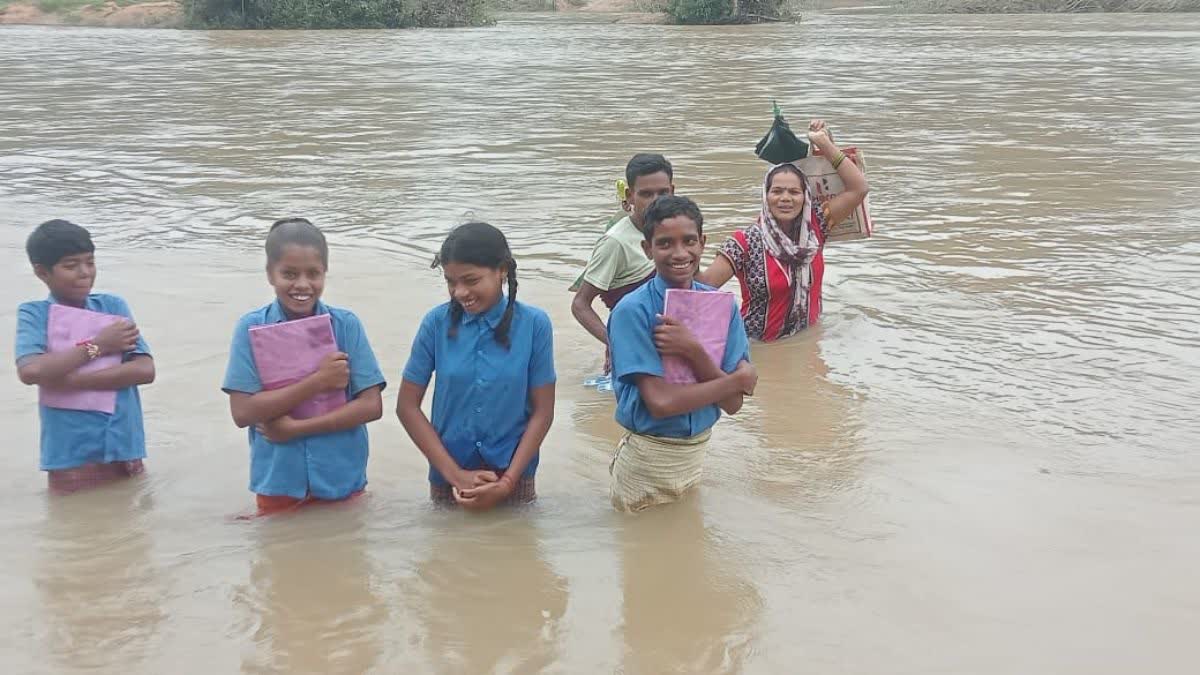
x,y
659,286
87,302
492,316
275,313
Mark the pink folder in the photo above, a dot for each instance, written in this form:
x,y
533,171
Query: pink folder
x,y
706,314
66,327
288,352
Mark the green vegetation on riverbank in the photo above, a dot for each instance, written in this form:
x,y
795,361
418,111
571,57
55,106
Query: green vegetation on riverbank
x,y
334,13
523,5
729,11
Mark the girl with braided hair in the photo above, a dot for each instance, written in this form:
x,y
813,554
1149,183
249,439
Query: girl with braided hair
x,y
494,358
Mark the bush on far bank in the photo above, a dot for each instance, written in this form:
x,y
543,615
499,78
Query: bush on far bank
x,y
334,13
729,11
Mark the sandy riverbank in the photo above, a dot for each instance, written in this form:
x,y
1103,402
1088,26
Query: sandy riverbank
x,y
158,14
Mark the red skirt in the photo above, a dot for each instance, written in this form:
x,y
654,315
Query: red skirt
x,y
66,481
268,504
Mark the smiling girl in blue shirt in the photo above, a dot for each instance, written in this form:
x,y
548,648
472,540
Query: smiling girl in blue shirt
x,y
323,458
494,358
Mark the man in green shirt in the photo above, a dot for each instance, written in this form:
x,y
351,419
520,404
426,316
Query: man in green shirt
x,y
618,264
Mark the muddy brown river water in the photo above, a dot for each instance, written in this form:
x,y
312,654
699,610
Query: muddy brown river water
x,y
984,460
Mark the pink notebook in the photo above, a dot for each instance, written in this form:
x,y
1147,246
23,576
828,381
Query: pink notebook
x,y
66,327
707,315
288,352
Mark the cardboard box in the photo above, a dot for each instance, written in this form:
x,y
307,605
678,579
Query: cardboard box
x,y
824,183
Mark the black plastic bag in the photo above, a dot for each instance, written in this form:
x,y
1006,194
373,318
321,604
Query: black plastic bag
x,y
780,145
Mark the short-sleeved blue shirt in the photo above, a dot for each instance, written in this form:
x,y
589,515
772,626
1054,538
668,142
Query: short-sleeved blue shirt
x,y
631,340
481,401
73,438
325,466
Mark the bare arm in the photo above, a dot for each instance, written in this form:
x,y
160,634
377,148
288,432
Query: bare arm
x,y
138,370
664,399
672,338
542,401
116,338
250,409
585,314
706,371
840,207
247,409
422,433
366,407
719,272
487,495
50,368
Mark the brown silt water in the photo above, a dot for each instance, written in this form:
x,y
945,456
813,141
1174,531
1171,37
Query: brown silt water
x,y
983,460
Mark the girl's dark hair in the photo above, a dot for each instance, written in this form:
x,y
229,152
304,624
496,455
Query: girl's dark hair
x,y
54,240
481,244
298,231
787,168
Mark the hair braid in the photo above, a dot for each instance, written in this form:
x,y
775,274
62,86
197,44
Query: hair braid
x,y
502,329
456,313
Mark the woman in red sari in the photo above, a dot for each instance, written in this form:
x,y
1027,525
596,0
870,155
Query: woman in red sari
x,y
778,260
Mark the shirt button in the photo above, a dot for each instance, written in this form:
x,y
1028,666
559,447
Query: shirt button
x,y
478,444
479,409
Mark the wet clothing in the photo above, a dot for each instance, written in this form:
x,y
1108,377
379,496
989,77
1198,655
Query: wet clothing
x,y
323,466
75,438
481,399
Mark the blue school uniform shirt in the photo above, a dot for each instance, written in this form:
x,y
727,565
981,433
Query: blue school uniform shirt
x,y
325,466
631,340
481,400
73,438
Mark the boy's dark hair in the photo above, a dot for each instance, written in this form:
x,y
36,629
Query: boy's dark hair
x,y
669,206
478,243
56,239
298,231
644,164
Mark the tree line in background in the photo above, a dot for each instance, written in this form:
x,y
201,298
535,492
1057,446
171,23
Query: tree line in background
x,y
443,13
728,11
334,13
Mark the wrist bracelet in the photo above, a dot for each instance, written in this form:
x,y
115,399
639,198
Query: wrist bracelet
x,y
837,161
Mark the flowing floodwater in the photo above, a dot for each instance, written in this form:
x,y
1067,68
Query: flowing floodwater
x,y
983,461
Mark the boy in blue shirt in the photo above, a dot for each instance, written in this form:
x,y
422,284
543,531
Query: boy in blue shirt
x,y
669,425
82,448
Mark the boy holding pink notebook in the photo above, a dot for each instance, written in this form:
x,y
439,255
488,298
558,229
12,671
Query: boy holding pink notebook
x,y
680,357
303,379
87,357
